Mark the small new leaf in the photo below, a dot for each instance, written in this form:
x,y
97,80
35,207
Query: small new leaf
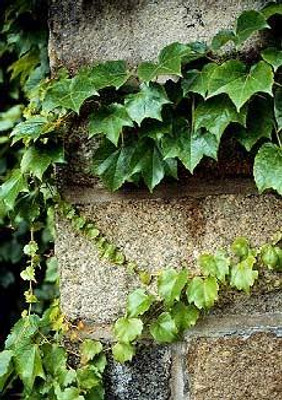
x,y
171,284
215,265
242,275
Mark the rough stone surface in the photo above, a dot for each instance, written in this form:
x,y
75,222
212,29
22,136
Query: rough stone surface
x,y
157,234
145,378
85,31
235,368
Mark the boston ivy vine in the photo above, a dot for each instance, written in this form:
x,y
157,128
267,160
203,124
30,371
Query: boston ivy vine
x,y
149,129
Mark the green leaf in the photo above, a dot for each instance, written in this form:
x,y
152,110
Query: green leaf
x,y
52,273
184,316
113,165
189,147
248,23
273,57
197,81
164,329
242,275
272,9
268,168
232,78
12,187
36,160
23,66
269,256
10,117
203,292
71,393
110,121
123,352
88,377
31,129
222,38
28,365
260,123
215,265
109,74
216,114
148,160
241,247
138,302
22,333
126,330
278,108
171,284
6,367
89,349
147,103
28,274
170,60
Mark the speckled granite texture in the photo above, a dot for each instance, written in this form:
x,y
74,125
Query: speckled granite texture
x,y
236,368
85,31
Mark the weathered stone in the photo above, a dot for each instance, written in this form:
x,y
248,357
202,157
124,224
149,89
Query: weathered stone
x,y
156,234
145,378
236,368
85,31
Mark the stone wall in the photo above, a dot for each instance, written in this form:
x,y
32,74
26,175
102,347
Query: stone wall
x,y
234,353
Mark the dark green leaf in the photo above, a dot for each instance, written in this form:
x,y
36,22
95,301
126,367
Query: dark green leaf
x,y
203,292
222,38
147,103
184,316
110,121
12,187
28,365
216,114
272,9
6,367
232,78
170,284
31,129
278,108
110,74
126,330
242,275
164,330
197,81
273,57
138,303
268,168
248,23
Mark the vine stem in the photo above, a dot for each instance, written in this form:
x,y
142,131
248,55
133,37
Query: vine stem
x,y
278,138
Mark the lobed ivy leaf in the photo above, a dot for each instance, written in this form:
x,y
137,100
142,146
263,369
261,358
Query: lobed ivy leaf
x,y
222,38
242,275
278,108
138,303
215,265
12,187
28,365
6,367
273,57
22,333
190,147
197,81
248,23
89,349
126,330
110,121
268,168
203,292
147,103
272,9
171,284
170,60
184,316
123,352
88,377
260,123
240,85
109,74
36,160
31,129
216,114
164,329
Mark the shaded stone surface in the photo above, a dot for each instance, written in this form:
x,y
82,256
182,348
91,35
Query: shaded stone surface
x,y
145,378
85,31
236,368
157,234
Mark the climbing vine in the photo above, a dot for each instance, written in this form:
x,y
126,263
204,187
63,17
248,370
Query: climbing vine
x,y
143,136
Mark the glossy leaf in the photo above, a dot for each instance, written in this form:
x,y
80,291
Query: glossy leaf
x,y
268,168
128,329
203,292
242,275
12,187
147,103
171,284
273,57
110,121
197,81
138,302
164,329
248,23
240,85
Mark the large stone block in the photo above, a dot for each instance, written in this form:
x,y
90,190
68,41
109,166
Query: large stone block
x,y
85,31
235,368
